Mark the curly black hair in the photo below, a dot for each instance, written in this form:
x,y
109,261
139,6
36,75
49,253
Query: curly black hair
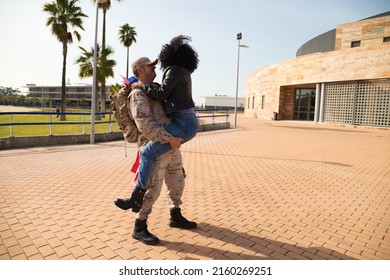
x,y
179,52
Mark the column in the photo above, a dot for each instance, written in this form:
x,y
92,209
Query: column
x,y
322,103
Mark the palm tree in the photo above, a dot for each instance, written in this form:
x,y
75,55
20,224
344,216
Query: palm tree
x,y
105,7
127,36
104,67
64,15
114,89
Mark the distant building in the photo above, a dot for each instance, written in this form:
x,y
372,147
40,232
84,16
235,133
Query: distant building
x,y
341,77
75,94
223,102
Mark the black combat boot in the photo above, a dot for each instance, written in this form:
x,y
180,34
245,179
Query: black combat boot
x,y
178,221
134,202
142,234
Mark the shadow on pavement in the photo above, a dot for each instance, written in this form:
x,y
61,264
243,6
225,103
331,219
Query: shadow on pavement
x,y
262,248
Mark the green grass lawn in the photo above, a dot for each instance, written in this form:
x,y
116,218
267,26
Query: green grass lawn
x,y
58,128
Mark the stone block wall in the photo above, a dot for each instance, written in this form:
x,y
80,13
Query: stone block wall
x,y
276,82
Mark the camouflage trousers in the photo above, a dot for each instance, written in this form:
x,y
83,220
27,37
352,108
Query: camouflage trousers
x,y
168,167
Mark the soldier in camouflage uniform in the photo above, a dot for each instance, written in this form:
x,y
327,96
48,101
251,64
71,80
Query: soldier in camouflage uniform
x,y
150,119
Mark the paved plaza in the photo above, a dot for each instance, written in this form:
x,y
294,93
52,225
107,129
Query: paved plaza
x,y
265,190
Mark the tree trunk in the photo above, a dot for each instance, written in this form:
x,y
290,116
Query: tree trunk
x,y
63,87
127,63
97,116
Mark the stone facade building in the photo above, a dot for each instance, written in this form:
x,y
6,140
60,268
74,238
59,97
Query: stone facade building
x,y
341,76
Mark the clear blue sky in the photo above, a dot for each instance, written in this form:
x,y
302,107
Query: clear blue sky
x,y
273,30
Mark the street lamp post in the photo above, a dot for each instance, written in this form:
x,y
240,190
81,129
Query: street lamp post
x,y
239,37
94,82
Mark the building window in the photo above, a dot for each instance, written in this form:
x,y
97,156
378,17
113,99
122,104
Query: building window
x,y
386,39
355,44
262,101
253,102
248,103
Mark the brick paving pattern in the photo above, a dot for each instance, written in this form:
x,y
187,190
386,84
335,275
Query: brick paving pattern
x,y
266,190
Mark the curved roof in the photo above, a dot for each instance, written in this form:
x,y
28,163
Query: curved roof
x,y
326,41
322,43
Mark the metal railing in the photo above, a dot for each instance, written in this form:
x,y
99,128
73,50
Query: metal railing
x,y
212,115
51,123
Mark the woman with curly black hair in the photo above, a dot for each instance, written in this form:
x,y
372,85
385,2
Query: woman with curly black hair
x,y
178,61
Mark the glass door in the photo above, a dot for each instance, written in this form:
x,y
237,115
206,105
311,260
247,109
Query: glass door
x,y
304,104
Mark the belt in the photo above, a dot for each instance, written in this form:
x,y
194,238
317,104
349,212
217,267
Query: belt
x,y
188,110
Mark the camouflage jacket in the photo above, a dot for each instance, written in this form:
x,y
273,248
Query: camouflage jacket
x,y
149,117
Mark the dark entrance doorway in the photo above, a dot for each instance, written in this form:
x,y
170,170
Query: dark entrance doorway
x,y
304,104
